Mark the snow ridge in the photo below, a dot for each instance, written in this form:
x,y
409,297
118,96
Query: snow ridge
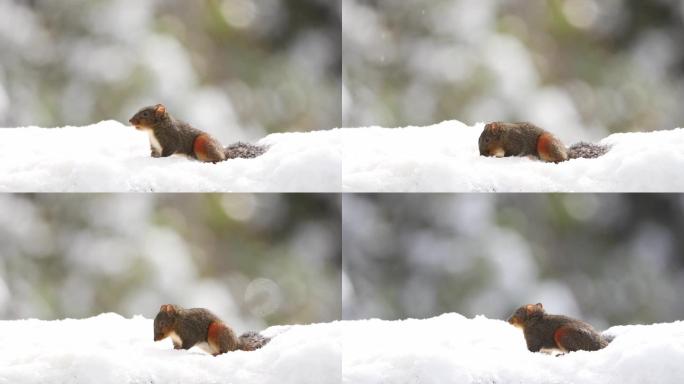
x,y
450,348
109,349
445,158
453,349
112,157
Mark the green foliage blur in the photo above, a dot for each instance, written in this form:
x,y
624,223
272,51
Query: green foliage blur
x,y
584,68
238,68
253,259
610,259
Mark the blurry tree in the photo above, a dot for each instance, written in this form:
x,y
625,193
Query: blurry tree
x,y
253,259
238,68
583,68
612,259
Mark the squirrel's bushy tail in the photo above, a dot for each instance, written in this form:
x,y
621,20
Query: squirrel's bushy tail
x,y
608,338
586,150
244,150
250,341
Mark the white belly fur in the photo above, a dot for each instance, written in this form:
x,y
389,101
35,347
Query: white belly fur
x,y
203,346
153,141
176,339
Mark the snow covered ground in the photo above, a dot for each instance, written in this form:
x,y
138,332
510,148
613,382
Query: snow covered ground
x,y
109,349
446,349
445,158
112,157
453,349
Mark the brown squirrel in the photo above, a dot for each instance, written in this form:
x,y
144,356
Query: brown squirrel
x,y
555,332
524,139
198,326
170,136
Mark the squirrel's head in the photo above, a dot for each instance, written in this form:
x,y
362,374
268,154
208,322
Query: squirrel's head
x,y
490,140
148,117
164,321
526,312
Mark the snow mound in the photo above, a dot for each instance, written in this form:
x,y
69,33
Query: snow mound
x,y
112,157
453,349
111,349
446,349
445,158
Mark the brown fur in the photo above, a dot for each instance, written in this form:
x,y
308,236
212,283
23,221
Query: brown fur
x,y
207,149
543,331
524,139
174,136
198,325
520,139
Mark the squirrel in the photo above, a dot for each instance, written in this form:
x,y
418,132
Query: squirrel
x,y
545,332
198,326
524,139
169,136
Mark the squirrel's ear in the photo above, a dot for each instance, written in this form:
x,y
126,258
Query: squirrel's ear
x,y
159,110
492,127
168,308
533,308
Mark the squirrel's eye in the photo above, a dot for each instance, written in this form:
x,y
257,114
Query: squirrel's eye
x,y
146,113
487,140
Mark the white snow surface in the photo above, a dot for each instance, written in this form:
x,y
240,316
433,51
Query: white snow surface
x,y
446,349
445,158
453,349
109,349
112,157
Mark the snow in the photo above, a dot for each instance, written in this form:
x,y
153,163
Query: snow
x,y
112,157
111,349
453,349
446,349
445,158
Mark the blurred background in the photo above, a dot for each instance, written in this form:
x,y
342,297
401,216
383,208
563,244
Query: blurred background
x,y
580,68
255,260
608,259
237,68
